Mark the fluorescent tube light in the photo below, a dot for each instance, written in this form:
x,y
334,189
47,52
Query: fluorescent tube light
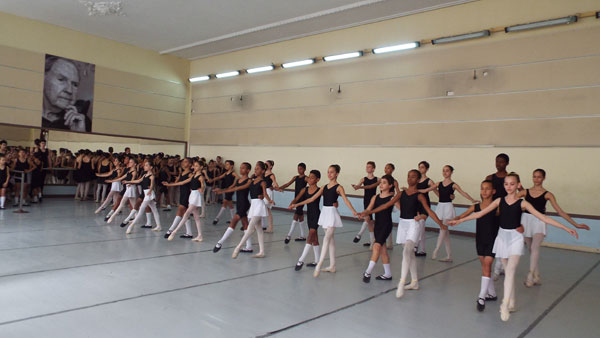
x,y
396,48
342,56
541,24
199,78
461,37
260,69
298,63
228,74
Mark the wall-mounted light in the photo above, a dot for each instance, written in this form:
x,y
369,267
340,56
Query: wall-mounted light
x,y
542,24
298,63
461,37
199,78
260,69
342,56
228,74
396,48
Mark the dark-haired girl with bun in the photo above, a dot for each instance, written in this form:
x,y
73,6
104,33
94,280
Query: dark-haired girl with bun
x,y
534,228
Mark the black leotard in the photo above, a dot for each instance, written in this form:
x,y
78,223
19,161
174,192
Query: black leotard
x,y
498,184
510,215
383,220
485,233
445,192
420,186
369,193
256,189
184,190
539,203
330,195
195,183
241,199
269,181
409,205
299,184
312,209
226,183
145,182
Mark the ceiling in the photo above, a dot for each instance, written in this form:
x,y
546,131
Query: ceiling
x,y
194,29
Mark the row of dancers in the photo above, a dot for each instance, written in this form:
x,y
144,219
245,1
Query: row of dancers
x,y
505,221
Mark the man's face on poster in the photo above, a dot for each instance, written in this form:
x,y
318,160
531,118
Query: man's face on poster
x,y
60,85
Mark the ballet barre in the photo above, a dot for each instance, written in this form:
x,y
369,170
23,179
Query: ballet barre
x,y
22,178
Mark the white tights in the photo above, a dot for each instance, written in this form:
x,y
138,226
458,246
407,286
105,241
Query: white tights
x,y
254,225
146,203
192,209
124,201
510,267
328,242
534,243
408,263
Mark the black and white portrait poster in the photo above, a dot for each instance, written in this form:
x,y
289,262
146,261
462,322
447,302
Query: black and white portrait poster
x,y
68,94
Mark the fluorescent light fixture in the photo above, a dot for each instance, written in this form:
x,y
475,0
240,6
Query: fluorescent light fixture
x,y
260,69
199,78
541,24
298,63
228,74
461,37
342,56
396,48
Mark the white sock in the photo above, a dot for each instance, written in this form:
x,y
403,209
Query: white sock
x,y
149,218
131,216
220,213
110,213
188,227
226,235
175,223
491,289
304,252
484,287
2,200
362,228
372,237
301,226
248,242
317,251
231,212
292,228
387,270
370,267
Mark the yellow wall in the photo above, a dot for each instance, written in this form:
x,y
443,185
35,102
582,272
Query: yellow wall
x,y
538,102
137,92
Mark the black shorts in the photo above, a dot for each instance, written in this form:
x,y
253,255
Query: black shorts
x,y
229,196
382,232
242,209
313,220
484,241
366,205
299,210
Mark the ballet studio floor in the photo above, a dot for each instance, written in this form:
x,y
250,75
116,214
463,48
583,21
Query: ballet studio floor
x,y
65,273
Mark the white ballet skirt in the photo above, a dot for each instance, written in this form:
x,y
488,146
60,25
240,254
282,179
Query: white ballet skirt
x,y
508,243
195,198
270,193
330,217
532,225
408,230
445,211
116,186
257,208
131,191
149,198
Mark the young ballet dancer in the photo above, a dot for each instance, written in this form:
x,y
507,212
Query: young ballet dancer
x,y
163,190
299,182
258,210
147,182
382,229
173,170
329,218
241,189
183,182
104,166
25,164
194,202
369,183
509,242
424,183
227,179
115,186
271,182
4,180
312,214
130,194
485,235
408,228
535,229
445,210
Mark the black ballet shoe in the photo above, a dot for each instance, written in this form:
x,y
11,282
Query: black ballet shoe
x,y
123,225
383,277
367,277
217,247
366,244
186,236
300,239
106,218
264,229
145,226
228,222
480,306
215,221
287,239
167,234
420,254
311,265
356,239
489,298
247,250
299,266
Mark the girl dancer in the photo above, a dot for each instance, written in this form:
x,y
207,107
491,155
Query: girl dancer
x,y
115,186
445,210
194,202
173,170
408,228
104,167
183,182
382,229
241,189
163,176
508,245
146,181
424,184
258,210
369,183
485,235
329,218
4,179
130,194
228,179
313,213
271,182
535,230
86,175
299,184
22,163
211,173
